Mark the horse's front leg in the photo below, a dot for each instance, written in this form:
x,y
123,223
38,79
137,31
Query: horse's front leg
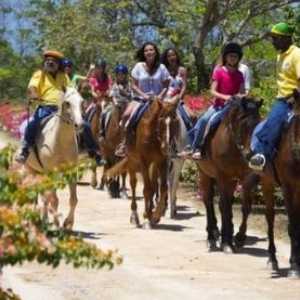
x,y
163,197
69,221
148,192
206,184
248,185
123,193
173,185
94,181
134,218
226,187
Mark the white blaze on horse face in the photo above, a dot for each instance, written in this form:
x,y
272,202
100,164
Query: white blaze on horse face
x,y
75,110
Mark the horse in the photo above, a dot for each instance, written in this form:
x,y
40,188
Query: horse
x,y
56,146
113,137
225,164
148,154
283,171
185,121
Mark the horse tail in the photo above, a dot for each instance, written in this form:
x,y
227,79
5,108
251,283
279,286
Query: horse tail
x,y
118,169
295,138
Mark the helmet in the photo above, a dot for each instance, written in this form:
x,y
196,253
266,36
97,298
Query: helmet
x,y
101,63
67,62
53,53
232,48
282,29
120,68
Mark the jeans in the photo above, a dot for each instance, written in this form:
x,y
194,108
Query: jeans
x,y
44,111
200,126
265,139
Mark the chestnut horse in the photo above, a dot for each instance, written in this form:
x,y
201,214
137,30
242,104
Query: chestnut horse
x,y
148,154
225,164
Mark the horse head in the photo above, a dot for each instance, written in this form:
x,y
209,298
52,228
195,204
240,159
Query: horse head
x,y
166,125
242,118
70,109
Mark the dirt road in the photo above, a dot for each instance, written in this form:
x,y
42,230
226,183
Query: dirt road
x,y
169,262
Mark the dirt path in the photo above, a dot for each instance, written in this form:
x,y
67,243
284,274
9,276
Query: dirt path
x,y
170,261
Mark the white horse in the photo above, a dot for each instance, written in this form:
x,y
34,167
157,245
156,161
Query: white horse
x,y
176,164
57,146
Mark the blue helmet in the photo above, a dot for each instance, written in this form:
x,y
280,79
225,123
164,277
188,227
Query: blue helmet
x,y
120,68
67,62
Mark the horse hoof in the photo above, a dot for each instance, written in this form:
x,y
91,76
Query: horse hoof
x,y
273,266
212,246
147,225
216,233
155,220
68,225
173,214
228,249
239,240
294,272
134,220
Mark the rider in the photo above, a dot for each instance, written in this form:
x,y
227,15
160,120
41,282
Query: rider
x,y
45,88
288,64
74,78
227,81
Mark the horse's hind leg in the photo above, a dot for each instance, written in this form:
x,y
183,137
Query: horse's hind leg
x,y
268,194
206,185
69,221
134,218
248,184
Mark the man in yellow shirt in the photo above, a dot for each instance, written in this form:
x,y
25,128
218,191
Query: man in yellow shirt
x,y
265,140
45,88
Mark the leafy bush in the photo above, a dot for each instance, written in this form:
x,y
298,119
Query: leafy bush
x,y
26,236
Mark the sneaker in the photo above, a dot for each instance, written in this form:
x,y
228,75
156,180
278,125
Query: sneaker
x,y
197,155
257,162
187,151
22,156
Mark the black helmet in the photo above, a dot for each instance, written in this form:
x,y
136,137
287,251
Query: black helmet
x,y
101,63
232,48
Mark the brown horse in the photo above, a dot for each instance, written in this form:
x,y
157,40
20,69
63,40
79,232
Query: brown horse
x,y
148,154
113,136
284,171
225,164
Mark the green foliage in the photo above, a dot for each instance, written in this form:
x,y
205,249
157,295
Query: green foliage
x,y
26,236
189,173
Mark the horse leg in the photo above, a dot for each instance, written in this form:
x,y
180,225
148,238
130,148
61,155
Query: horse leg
x,y
206,184
268,194
291,198
173,185
94,182
124,194
134,218
163,198
148,192
248,184
103,179
69,221
226,188
54,207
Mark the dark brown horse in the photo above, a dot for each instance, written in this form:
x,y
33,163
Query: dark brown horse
x,y
148,154
285,171
112,138
225,164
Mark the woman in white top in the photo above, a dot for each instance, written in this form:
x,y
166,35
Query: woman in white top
x,y
150,79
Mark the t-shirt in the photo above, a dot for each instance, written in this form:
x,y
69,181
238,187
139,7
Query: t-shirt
x,y
229,83
288,71
247,76
100,85
151,84
121,94
49,88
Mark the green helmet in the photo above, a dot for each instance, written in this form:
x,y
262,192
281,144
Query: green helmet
x,y
282,29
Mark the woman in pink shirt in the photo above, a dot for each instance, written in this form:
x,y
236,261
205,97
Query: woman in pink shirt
x,y
227,81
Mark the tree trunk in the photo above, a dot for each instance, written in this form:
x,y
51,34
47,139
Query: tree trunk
x,y
202,71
